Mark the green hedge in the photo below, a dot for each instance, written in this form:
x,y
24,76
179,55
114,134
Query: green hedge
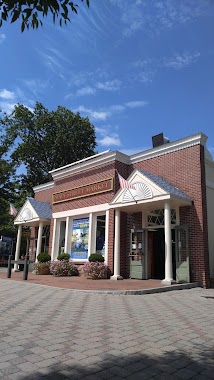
x,y
96,257
43,257
63,256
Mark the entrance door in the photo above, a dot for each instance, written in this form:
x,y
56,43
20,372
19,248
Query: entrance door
x,y
182,253
137,254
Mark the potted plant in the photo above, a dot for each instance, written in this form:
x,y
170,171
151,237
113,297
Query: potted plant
x,y
43,264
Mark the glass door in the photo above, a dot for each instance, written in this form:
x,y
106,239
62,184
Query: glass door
x,y
137,254
182,253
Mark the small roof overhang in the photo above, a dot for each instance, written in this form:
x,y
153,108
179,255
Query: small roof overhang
x,y
33,212
151,191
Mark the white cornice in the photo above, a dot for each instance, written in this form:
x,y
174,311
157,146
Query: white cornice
x,y
187,142
94,161
44,186
108,156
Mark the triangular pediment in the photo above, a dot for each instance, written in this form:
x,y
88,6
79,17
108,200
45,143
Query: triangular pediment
x,y
147,187
33,211
26,213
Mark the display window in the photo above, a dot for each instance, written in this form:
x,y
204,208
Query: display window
x,y
100,234
79,238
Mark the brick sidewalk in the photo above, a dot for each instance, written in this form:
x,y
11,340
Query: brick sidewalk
x,y
83,283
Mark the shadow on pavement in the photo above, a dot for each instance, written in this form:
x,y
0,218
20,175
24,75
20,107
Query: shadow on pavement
x,y
197,365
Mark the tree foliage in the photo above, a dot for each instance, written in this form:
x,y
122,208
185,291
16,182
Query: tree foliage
x,y
44,140
6,189
32,11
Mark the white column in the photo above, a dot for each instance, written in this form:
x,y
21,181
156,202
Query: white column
x,y
106,237
18,245
116,275
55,243
90,235
39,240
168,246
68,234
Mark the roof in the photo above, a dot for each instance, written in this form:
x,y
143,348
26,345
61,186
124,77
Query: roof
x,y
165,185
43,209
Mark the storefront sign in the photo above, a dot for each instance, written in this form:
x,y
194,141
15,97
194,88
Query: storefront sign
x,y
84,191
79,239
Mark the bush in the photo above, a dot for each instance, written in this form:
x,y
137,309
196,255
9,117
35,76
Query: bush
x,y
95,270
41,268
43,257
96,258
63,256
63,268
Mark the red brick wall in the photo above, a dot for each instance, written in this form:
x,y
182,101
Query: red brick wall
x,y
44,195
185,169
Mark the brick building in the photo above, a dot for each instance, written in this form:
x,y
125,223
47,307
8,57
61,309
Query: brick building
x,y
159,225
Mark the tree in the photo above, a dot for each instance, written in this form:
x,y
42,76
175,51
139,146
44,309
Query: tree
x,y
6,191
31,11
44,140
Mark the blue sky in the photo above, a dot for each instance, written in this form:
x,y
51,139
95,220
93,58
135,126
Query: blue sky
x,y
134,67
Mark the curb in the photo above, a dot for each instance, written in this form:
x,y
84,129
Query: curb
x,y
120,292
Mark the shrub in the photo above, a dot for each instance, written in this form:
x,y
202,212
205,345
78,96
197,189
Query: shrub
x,y
95,270
43,257
63,268
96,258
41,268
63,256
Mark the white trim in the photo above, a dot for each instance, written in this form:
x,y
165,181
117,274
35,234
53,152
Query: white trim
x,y
81,211
32,221
89,163
90,235
186,142
108,156
44,186
106,236
78,162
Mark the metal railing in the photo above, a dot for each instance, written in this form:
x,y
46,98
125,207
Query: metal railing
x,y
26,263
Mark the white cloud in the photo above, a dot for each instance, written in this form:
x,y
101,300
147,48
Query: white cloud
x,y
86,91
179,61
110,140
7,107
112,85
36,86
148,68
5,94
2,38
136,104
96,115
117,107
154,16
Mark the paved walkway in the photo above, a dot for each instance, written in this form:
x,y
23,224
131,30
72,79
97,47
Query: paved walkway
x,y
53,333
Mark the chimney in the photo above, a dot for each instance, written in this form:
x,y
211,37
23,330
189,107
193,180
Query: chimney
x,y
158,140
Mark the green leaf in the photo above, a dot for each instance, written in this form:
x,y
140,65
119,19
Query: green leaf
x,y
16,15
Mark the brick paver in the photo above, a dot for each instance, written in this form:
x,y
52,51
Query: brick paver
x,y
54,333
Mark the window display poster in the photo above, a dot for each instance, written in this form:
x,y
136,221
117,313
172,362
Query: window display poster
x,y
79,239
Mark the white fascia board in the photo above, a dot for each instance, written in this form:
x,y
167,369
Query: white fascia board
x,y
44,186
140,202
34,221
186,142
86,165
82,211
